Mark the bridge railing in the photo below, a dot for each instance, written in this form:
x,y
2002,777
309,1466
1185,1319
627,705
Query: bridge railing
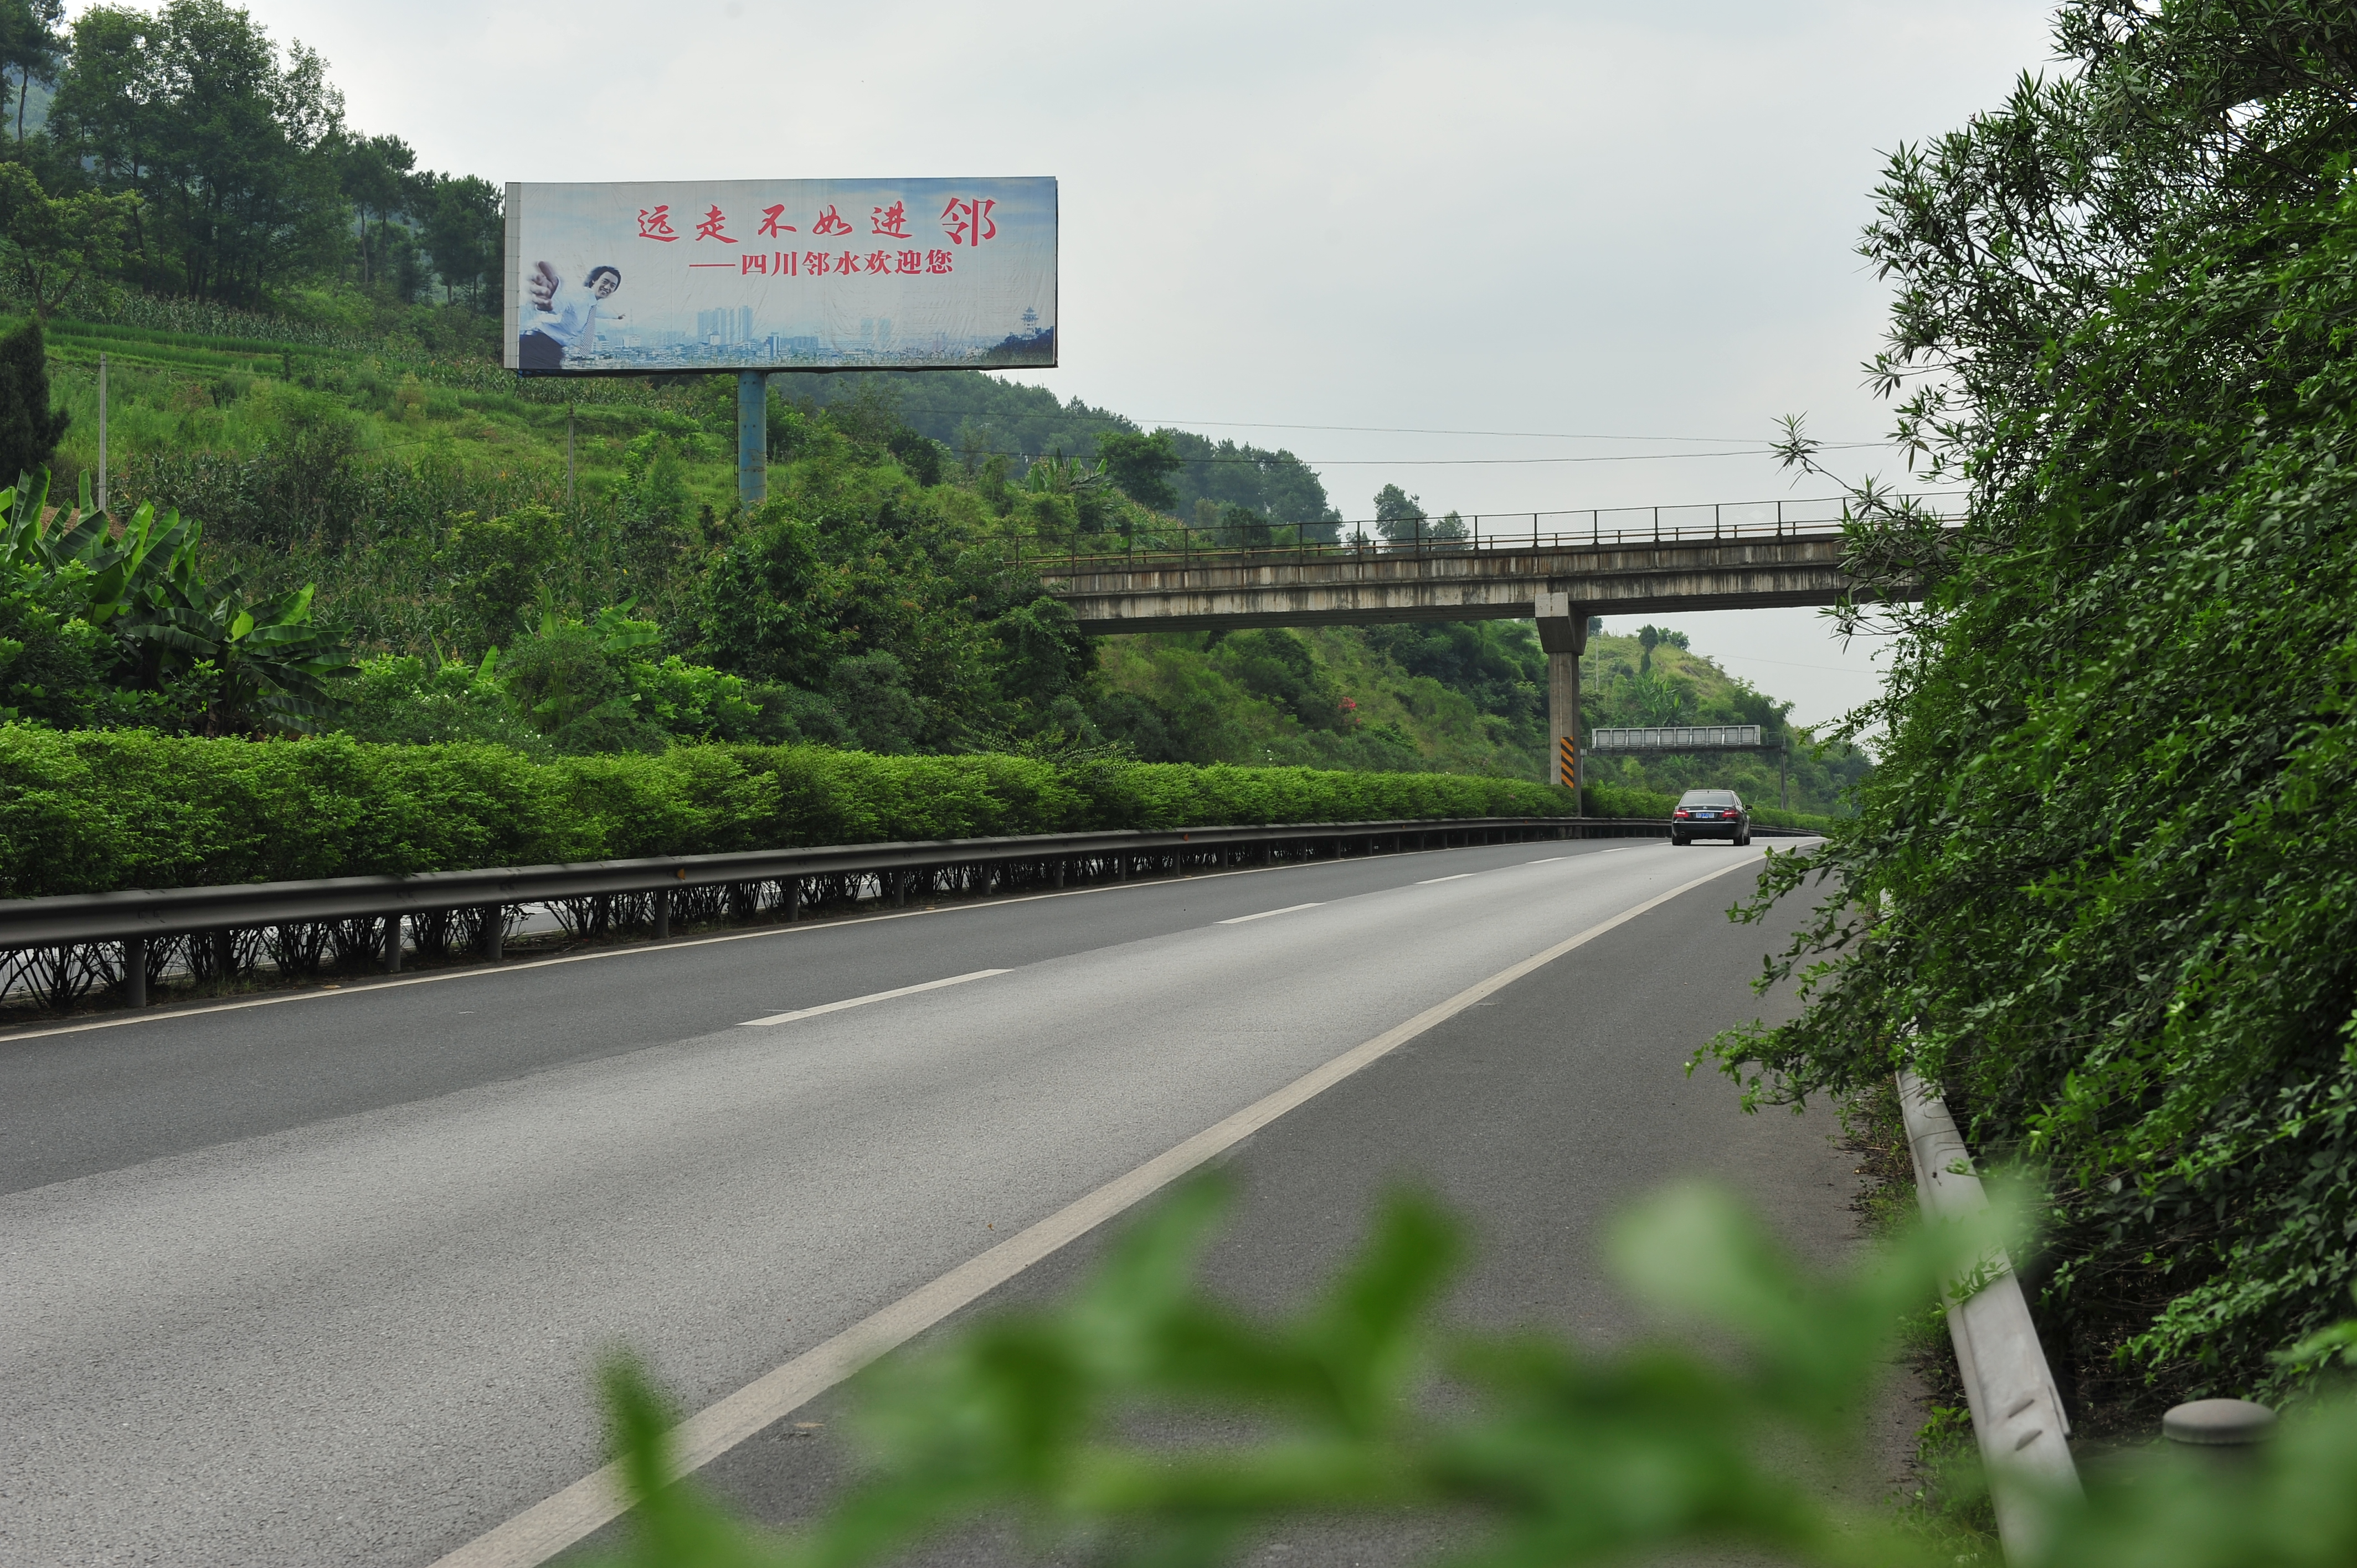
x,y
1171,543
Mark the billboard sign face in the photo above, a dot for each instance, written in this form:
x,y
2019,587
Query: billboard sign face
x,y
794,275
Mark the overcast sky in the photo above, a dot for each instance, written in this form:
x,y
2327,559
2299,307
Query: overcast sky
x,y
1580,219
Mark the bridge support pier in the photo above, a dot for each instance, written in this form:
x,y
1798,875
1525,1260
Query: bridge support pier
x,y
1563,633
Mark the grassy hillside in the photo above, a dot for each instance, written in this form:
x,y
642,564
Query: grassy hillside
x,y
313,453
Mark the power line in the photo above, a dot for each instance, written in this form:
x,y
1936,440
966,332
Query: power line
x,y
1480,462
1789,664
1422,430
1111,418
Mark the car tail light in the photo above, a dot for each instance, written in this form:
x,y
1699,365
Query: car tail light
x,y
1680,813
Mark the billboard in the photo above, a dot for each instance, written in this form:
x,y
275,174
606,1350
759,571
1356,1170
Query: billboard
x,y
789,274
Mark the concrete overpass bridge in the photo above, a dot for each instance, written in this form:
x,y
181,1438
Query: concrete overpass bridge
x,y
1557,569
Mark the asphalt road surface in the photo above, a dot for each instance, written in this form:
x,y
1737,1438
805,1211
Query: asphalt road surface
x,y
322,1280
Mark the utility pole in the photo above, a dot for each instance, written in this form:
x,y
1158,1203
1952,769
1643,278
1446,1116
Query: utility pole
x,y
102,433
752,439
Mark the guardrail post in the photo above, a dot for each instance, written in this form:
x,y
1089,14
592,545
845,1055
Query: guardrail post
x,y
1120,866
393,944
662,914
135,972
224,955
900,890
1062,862
2016,1410
794,899
494,941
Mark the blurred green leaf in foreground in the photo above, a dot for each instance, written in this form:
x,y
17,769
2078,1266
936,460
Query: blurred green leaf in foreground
x,y
1547,1452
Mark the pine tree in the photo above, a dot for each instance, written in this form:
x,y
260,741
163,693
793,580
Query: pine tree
x,y
29,428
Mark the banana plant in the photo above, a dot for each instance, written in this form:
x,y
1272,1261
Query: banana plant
x,y
617,633
1057,475
270,666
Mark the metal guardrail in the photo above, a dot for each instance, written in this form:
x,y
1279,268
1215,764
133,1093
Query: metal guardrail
x,y
66,945
116,917
2017,1415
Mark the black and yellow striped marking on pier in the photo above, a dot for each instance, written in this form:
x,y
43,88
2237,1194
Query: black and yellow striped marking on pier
x,y
1570,778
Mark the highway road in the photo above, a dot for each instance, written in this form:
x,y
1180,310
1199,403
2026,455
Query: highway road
x,y
321,1279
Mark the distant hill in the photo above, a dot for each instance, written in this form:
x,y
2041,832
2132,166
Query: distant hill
x,y
978,415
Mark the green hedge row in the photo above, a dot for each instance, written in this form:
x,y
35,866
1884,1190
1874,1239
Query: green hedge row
x,y
94,811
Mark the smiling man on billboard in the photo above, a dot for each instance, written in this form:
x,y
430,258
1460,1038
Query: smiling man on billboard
x,y
565,316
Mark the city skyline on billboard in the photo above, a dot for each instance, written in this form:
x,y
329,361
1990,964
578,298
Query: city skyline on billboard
x,y
809,274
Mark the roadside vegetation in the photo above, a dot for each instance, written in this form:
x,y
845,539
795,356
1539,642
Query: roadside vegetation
x,y
864,606
2098,885
97,811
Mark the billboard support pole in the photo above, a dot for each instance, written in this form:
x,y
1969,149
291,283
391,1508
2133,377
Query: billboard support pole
x,y
752,439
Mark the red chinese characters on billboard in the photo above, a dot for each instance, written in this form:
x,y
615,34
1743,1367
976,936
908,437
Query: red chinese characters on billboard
x,y
966,222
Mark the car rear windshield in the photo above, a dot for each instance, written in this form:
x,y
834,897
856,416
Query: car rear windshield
x,y
1708,798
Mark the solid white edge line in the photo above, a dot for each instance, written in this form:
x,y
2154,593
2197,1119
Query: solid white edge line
x,y
548,1527
864,1001
1458,877
1264,914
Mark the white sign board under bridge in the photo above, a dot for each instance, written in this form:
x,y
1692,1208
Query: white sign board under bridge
x,y
809,274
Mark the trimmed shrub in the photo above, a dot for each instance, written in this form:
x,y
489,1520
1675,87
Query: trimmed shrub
x,y
95,810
